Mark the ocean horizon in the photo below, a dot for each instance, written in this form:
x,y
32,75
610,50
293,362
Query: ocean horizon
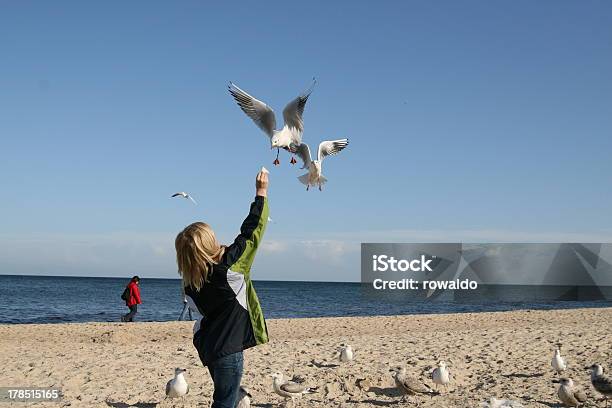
x,y
61,299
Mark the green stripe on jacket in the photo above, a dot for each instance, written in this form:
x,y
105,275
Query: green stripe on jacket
x,y
243,265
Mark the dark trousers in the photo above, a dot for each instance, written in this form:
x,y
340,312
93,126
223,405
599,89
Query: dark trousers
x,y
130,316
226,374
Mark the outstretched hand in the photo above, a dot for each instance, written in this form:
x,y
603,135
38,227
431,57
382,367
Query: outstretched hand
x,y
261,184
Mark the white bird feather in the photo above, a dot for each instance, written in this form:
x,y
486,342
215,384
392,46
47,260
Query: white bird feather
x,y
326,148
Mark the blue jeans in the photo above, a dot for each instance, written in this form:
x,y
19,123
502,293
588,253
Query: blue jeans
x,y
226,374
130,316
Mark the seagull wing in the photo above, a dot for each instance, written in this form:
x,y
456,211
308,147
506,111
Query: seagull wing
x,y
192,200
178,194
303,152
292,114
331,147
262,114
415,385
580,395
168,387
603,385
293,388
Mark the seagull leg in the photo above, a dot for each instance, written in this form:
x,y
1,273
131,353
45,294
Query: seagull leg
x,y
293,161
320,189
276,162
307,187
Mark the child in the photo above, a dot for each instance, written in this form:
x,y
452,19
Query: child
x,y
218,284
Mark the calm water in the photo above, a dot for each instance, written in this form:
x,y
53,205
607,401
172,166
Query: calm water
x,y
45,299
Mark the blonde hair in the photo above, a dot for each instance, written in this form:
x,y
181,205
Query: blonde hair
x,y
197,249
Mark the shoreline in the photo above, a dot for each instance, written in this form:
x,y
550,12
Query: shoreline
x,y
502,354
605,305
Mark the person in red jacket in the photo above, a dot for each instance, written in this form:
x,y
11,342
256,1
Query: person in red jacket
x,y
133,299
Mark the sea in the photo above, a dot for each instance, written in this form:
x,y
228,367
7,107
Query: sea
x,y
61,299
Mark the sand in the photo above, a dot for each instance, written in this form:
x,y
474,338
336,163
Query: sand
x,y
504,354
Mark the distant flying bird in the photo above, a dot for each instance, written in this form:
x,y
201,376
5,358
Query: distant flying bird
x,y
177,387
290,136
185,196
557,362
326,148
601,383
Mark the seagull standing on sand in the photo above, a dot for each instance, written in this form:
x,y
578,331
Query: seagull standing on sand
x,y
601,383
501,403
290,136
288,389
346,353
177,387
569,395
326,148
557,362
441,375
185,196
408,385
244,398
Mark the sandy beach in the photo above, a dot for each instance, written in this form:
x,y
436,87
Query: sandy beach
x,y
505,354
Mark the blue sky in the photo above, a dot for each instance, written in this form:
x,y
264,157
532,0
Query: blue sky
x,y
468,121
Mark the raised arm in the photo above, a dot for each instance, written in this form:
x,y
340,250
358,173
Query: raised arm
x,y
241,253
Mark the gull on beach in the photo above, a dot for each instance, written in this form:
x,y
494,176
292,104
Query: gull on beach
x,y
326,148
408,385
557,362
441,375
288,389
501,403
600,382
290,136
346,353
185,196
569,395
177,387
244,398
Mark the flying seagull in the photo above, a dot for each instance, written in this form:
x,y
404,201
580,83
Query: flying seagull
x,y
185,196
288,389
441,375
408,385
557,362
569,395
244,398
601,383
290,136
177,387
326,148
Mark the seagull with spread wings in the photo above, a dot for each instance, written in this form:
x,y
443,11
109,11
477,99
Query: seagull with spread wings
x,y
326,148
185,195
290,136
